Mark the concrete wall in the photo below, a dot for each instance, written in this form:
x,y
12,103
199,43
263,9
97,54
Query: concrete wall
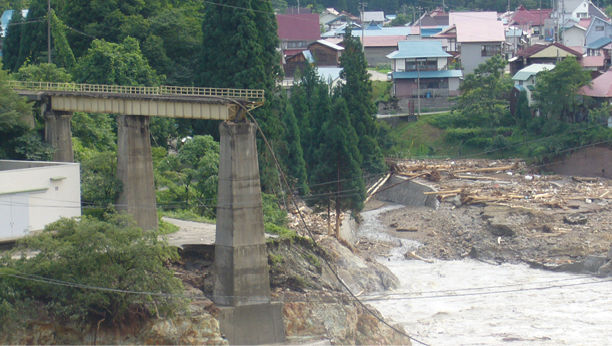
x,y
34,194
589,162
407,193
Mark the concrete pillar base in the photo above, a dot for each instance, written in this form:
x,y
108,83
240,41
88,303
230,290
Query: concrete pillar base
x,y
242,285
135,170
253,324
59,135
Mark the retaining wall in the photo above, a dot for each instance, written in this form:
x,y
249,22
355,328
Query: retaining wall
x,y
408,193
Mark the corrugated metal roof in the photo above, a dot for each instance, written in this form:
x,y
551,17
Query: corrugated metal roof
x,y
382,41
600,87
327,73
531,70
428,74
592,61
298,26
378,16
598,44
419,49
489,31
330,44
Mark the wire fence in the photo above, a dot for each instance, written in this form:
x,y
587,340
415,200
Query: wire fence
x,y
253,95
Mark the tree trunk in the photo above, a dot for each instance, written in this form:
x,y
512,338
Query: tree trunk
x,y
337,218
329,231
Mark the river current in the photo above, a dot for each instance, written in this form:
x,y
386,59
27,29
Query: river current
x,y
473,303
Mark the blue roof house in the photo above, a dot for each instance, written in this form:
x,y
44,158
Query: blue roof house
x,y
422,67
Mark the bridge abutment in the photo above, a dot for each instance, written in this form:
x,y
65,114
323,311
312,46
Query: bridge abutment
x,y
59,134
135,170
242,285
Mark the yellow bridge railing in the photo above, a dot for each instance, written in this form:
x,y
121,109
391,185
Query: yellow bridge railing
x,y
254,95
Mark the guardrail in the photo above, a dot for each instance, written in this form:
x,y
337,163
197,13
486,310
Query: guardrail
x,y
254,95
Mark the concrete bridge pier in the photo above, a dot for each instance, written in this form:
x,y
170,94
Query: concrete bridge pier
x,y
242,286
59,134
135,170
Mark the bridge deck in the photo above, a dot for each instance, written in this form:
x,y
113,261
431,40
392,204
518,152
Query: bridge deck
x,y
164,101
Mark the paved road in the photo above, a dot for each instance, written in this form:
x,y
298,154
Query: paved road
x,y
375,75
195,233
191,233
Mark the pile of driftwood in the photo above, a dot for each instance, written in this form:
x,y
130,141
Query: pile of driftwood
x,y
498,182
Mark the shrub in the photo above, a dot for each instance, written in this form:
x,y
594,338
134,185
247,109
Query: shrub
x,y
115,255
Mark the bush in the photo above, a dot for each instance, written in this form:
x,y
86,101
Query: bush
x,y
462,134
115,255
448,120
479,142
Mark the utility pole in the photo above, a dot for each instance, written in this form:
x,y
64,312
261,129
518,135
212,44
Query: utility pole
x,y
363,4
420,36
540,29
418,87
49,31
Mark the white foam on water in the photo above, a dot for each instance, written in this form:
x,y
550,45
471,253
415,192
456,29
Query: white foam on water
x,y
462,303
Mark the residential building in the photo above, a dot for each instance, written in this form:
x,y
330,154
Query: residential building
x,y
327,16
322,53
600,90
529,19
473,37
297,31
526,77
377,17
598,29
421,68
541,54
570,9
35,193
572,33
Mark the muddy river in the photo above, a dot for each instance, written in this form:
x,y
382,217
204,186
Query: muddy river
x,y
473,303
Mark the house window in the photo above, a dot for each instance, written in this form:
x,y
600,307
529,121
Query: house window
x,y
434,84
582,15
520,82
424,64
297,44
599,28
491,49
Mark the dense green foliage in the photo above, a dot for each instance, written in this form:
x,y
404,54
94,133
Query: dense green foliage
x,y
111,255
189,179
12,41
19,140
116,64
565,79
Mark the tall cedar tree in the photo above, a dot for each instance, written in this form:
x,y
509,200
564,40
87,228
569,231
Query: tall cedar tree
x,y
239,51
357,91
12,40
339,162
294,160
299,103
33,46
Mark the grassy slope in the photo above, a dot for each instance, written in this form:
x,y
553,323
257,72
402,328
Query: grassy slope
x,y
420,139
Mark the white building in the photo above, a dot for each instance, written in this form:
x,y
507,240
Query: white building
x,y
35,193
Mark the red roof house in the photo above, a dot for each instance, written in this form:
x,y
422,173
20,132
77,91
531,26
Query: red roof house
x,y
297,31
